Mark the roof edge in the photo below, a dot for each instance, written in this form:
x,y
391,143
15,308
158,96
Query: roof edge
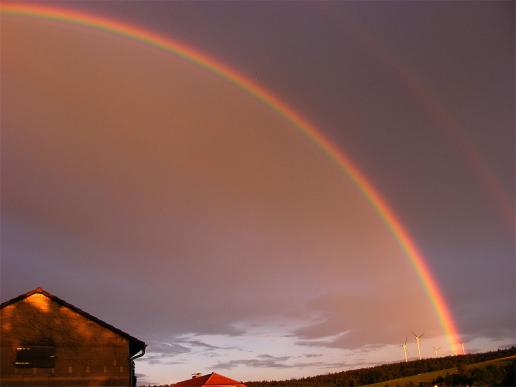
x,y
135,343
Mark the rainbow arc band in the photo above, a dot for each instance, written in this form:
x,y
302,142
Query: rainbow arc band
x,y
189,54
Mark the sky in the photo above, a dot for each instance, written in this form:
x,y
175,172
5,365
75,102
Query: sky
x,y
173,204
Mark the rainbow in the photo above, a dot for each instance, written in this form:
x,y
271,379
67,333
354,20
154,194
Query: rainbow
x,y
399,232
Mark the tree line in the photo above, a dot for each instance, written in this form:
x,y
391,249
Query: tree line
x,y
493,374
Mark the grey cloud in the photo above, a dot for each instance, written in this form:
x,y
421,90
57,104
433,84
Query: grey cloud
x,y
152,358
167,348
262,361
276,358
162,352
160,358
201,344
254,363
269,361
487,316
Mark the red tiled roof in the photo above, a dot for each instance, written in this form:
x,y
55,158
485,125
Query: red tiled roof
x,y
135,345
212,379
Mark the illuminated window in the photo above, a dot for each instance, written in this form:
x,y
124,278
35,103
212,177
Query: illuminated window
x,y
35,356
121,369
70,369
88,370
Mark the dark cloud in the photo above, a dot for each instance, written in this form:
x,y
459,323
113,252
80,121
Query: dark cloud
x,y
254,363
161,352
161,358
194,343
267,361
158,358
173,348
270,357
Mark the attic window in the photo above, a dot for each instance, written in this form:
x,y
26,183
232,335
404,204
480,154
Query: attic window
x,y
35,356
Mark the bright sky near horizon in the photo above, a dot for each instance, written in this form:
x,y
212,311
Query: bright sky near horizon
x,y
165,200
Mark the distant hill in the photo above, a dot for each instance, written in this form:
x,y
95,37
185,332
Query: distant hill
x,y
497,372
457,370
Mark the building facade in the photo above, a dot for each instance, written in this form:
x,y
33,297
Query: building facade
x,y
45,341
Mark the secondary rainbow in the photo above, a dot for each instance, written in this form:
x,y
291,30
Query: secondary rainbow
x,y
179,49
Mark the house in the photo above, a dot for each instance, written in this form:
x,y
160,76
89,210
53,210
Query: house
x,y
212,379
45,341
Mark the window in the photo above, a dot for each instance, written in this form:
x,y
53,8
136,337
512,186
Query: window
x,y
35,356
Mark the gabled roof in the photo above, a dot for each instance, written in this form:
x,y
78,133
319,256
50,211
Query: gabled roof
x,y
135,345
212,379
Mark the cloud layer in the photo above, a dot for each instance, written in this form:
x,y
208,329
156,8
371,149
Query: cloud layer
x,y
205,219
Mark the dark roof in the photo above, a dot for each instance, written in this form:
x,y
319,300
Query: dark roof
x,y
135,345
212,379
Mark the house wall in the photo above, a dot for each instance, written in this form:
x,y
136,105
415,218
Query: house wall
x,y
87,354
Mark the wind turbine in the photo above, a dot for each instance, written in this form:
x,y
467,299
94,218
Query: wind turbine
x,y
418,338
404,345
455,350
436,349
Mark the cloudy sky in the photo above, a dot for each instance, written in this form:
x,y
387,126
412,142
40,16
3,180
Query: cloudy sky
x,y
165,200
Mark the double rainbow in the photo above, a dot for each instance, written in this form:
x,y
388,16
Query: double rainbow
x,y
181,50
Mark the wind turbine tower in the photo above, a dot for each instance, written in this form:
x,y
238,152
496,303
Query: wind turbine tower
x,y
456,349
436,350
404,345
418,339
